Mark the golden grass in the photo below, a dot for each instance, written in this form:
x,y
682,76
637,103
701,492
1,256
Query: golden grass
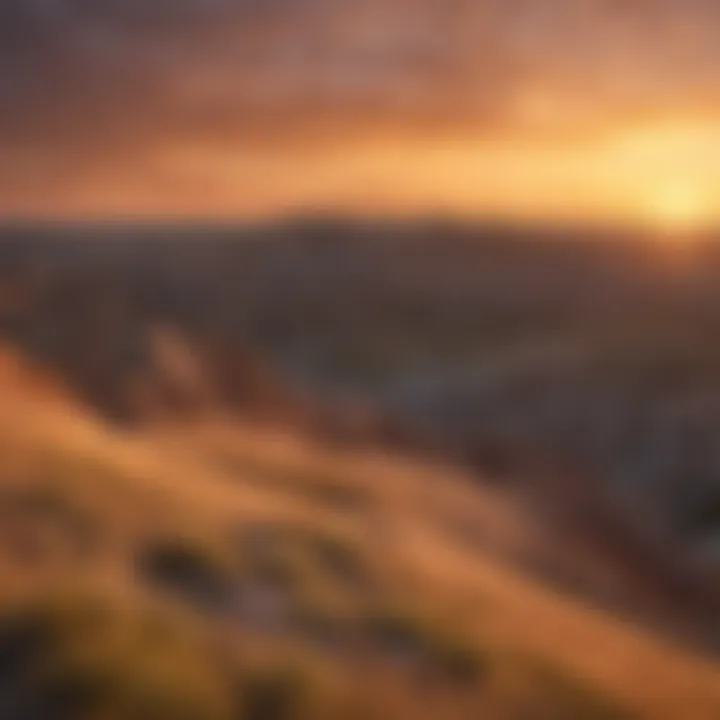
x,y
398,537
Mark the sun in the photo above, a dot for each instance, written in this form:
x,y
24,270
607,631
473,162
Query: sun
x,y
679,207
670,172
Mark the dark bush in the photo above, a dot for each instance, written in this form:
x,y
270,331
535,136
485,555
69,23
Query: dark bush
x,y
196,570
396,630
292,690
85,657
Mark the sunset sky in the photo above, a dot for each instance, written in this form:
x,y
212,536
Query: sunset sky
x,y
530,109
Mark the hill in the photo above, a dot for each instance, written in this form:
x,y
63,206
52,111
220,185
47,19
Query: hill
x,y
356,471
212,568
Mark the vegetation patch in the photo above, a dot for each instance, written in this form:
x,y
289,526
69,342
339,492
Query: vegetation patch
x,y
296,556
82,657
193,568
292,689
422,642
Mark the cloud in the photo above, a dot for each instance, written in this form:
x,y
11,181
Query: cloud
x,y
90,85
65,60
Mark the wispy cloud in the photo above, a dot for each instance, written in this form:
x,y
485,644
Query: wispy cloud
x,y
90,84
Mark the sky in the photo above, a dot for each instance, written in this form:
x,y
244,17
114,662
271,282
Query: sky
x,y
592,109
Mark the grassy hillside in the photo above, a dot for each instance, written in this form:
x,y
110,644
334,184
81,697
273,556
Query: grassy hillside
x,y
353,471
579,372
213,569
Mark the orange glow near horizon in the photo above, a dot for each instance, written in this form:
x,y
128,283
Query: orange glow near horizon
x,y
662,174
541,111
659,174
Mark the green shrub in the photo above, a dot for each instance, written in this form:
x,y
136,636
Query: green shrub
x,y
82,657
